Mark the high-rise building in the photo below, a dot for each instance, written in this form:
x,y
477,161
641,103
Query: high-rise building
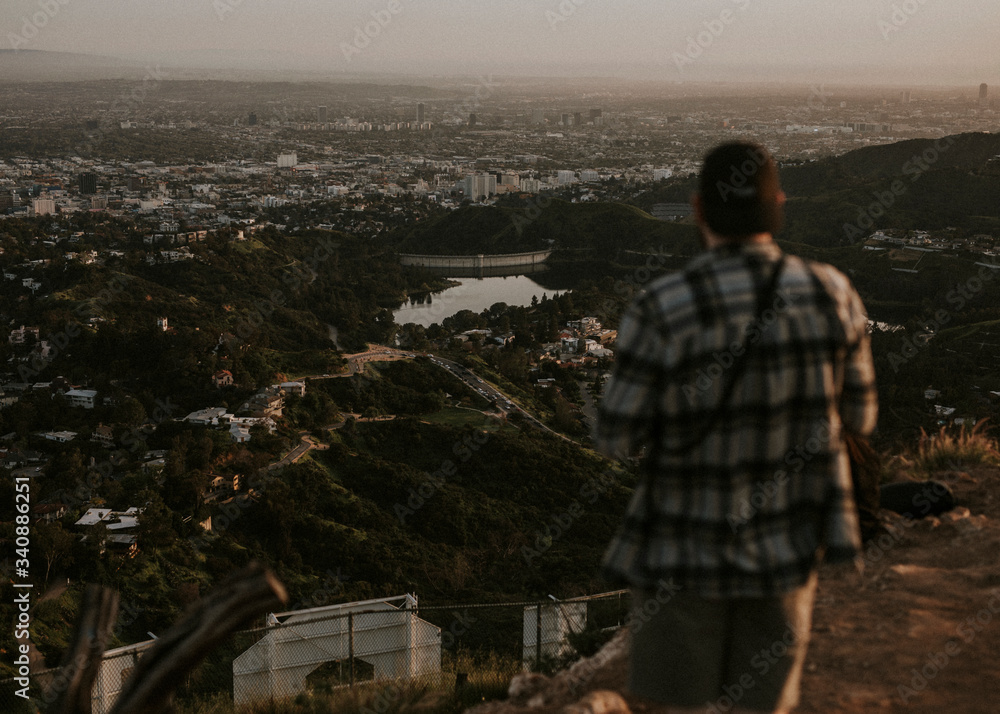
x,y
321,114
565,177
252,119
565,119
479,186
984,92
88,183
472,120
135,183
420,113
577,118
287,161
43,206
596,114
537,116
904,97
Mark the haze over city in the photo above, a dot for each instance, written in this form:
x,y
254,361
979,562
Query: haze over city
x,y
870,42
326,295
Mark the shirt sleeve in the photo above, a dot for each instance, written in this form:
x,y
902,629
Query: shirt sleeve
x,y
859,400
627,412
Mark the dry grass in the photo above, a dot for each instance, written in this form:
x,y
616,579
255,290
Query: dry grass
x,y
487,678
951,450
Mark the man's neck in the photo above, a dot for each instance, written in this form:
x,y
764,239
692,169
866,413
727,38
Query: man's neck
x,y
711,241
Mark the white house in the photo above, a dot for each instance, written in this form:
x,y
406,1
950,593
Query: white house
x,y
296,388
239,433
208,417
386,633
81,398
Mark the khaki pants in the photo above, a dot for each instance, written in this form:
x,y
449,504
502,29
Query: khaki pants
x,y
721,653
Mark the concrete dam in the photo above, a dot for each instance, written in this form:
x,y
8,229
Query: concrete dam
x,y
479,266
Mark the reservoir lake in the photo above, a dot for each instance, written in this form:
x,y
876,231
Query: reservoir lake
x,y
476,294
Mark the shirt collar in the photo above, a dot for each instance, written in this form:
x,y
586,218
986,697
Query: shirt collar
x,y
767,251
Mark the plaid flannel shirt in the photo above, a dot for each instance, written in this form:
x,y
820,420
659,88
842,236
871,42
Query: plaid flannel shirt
x,y
750,510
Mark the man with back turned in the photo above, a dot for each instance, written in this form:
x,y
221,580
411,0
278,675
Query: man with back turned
x,y
736,379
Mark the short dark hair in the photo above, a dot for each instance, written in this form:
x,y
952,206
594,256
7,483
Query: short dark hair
x,y
740,191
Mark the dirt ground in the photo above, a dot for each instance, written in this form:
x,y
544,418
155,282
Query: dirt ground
x,y
918,631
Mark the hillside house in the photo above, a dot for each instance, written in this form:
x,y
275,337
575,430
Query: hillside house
x,y
212,416
20,335
104,436
296,388
61,437
262,405
120,526
49,512
81,398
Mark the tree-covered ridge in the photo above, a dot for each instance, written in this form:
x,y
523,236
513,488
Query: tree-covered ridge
x,y
441,500
921,183
601,230
272,303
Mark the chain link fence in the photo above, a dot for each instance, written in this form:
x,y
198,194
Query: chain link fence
x,y
375,654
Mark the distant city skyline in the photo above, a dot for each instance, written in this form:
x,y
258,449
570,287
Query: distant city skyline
x,y
867,41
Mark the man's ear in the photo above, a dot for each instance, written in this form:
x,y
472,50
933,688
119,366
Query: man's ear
x,y
699,209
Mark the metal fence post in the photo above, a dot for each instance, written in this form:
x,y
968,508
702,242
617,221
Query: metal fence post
x,y
350,644
538,636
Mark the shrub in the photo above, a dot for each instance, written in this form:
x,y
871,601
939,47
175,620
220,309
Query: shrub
x,y
948,450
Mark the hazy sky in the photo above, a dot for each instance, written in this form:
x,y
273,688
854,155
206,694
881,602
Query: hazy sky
x,y
879,41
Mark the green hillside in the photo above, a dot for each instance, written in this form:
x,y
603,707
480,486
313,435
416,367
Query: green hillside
x,y
834,201
602,230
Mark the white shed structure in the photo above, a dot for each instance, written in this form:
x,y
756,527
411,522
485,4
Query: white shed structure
x,y
386,633
116,667
555,622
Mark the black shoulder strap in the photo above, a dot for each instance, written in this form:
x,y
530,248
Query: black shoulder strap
x,y
735,372
764,298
